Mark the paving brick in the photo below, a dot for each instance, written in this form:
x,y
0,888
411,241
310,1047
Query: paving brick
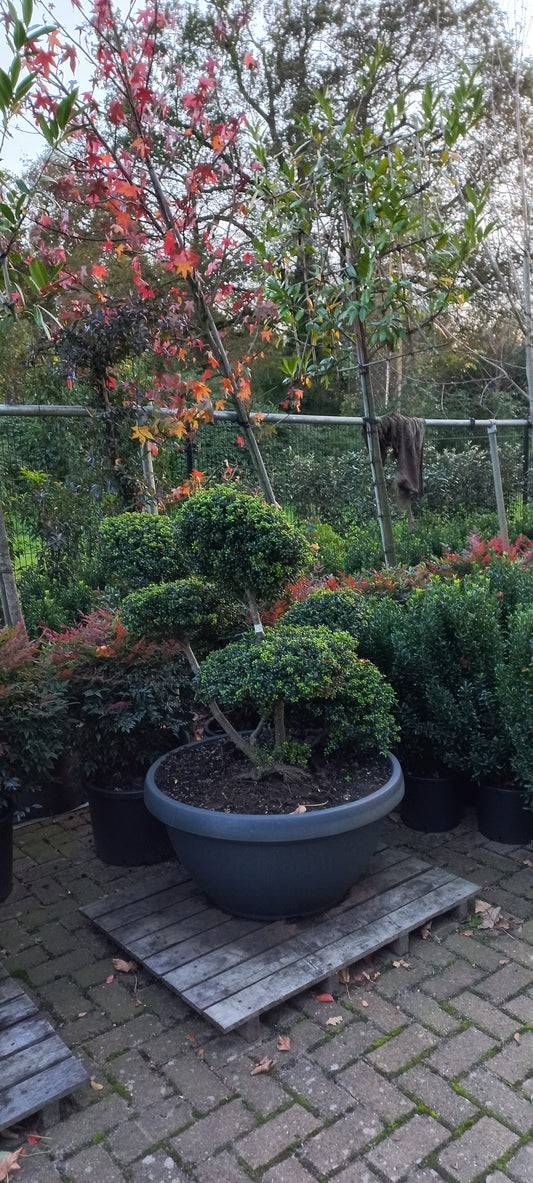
x,y
375,1091
458,1054
196,1083
474,951
114,999
346,1046
223,1168
520,1167
209,1134
164,1118
155,1168
497,1177
81,1127
144,1086
138,1032
56,967
308,1081
401,1050
358,1172
522,883
340,1142
262,1092
515,1061
503,1101
129,1141
64,999
432,952
277,1135
505,982
92,1164
453,980
434,1092
407,1146
522,1008
476,1150
387,1016
394,982
422,1007
289,1171
485,1015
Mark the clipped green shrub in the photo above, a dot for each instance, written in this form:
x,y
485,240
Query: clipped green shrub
x,y
305,667
241,543
32,707
188,609
515,690
135,549
50,603
344,610
331,548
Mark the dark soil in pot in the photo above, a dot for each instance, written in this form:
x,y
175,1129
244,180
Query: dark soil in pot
x,y
6,851
501,814
218,776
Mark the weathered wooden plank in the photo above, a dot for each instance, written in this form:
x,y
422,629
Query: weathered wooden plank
x,y
123,914
193,908
24,1064
213,986
190,940
9,988
31,1095
204,952
23,1035
258,997
152,882
15,1010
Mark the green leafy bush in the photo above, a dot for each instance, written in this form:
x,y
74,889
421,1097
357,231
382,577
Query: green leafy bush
x,y
310,668
127,702
186,610
32,710
345,610
447,645
50,603
515,690
331,548
240,543
135,549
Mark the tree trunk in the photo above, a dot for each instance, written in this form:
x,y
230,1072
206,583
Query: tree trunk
x,y
11,608
372,438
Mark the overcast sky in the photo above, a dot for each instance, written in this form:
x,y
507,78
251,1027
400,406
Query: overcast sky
x,y
25,144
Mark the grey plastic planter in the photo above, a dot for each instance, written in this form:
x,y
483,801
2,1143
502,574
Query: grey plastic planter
x,y
280,865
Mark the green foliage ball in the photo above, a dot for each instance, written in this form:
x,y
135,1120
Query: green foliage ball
x,y
515,691
309,667
344,609
184,610
241,543
135,549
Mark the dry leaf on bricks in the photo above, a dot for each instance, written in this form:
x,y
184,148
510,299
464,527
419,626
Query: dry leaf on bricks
x,y
335,1021
344,976
402,964
124,967
265,1065
284,1043
97,1087
9,1161
324,997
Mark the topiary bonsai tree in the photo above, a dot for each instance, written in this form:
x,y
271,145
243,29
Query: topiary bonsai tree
x,y
250,552
135,549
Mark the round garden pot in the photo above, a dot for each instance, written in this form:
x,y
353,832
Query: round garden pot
x,y
502,816
125,833
6,851
431,804
272,866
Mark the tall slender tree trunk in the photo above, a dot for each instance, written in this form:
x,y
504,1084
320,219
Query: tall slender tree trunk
x,y
378,475
9,596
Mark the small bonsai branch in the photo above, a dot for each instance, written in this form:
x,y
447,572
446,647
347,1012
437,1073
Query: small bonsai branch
x,y
256,616
280,734
242,744
255,734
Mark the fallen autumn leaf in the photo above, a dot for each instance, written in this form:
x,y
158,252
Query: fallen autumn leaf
x,y
124,967
264,1065
284,1043
9,1161
324,997
97,1087
335,1021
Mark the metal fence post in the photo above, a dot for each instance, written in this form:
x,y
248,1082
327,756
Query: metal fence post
x,y
525,470
492,432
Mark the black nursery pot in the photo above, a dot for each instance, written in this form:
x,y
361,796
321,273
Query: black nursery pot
x,y
6,852
502,816
125,833
431,804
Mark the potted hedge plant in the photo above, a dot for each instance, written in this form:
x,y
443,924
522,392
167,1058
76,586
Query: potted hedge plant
x,y
124,704
282,820
505,798
31,736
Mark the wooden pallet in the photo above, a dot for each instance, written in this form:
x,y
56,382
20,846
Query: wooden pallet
x,y
232,970
36,1068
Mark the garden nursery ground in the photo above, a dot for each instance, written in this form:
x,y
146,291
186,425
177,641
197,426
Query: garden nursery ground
x,y
425,1075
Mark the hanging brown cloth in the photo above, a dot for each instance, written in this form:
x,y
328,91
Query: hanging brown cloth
x,y
404,435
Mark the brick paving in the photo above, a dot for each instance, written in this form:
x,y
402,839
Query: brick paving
x,y
430,1082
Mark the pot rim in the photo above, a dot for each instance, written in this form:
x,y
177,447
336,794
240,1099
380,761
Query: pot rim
x,y
272,827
